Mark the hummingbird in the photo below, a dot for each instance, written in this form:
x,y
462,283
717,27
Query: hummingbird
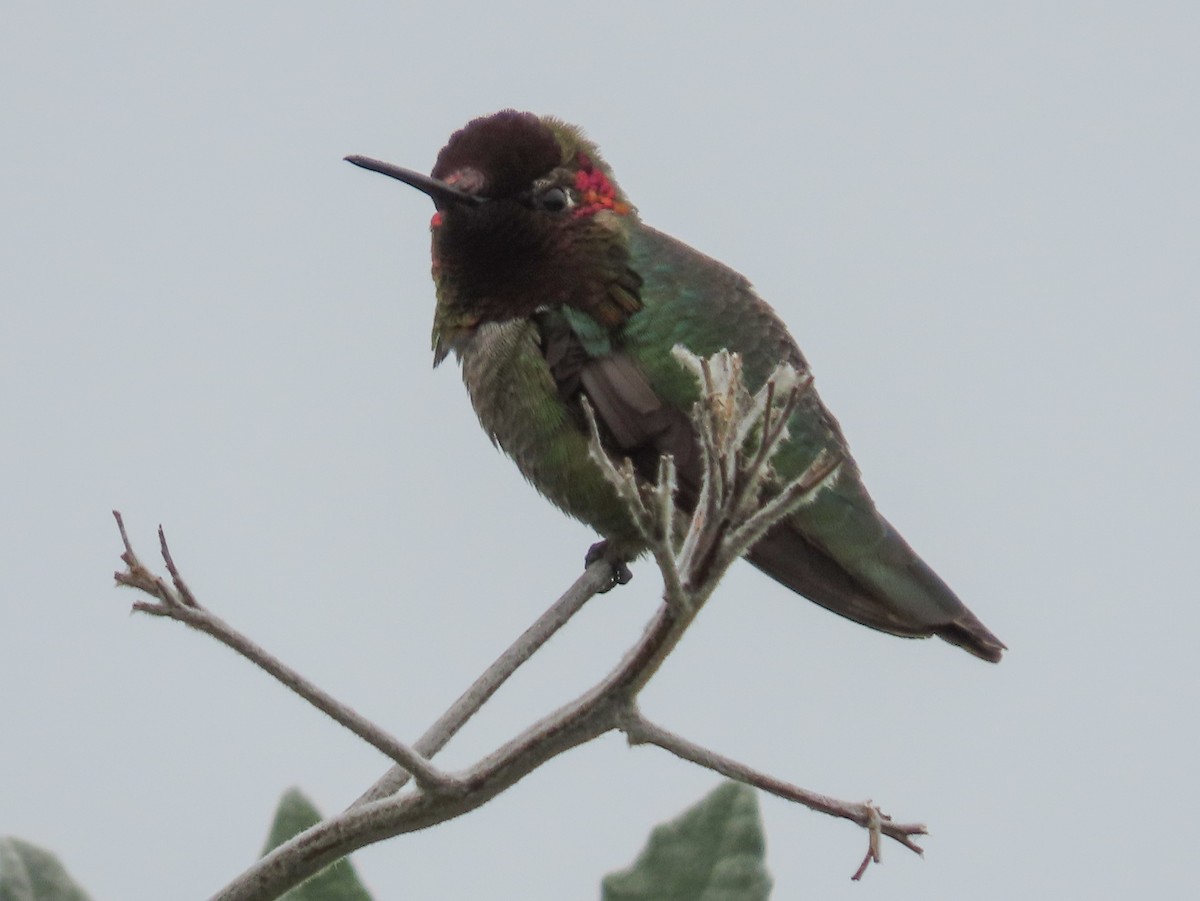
x,y
550,289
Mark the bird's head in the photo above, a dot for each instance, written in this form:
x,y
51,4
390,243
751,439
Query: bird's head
x,y
528,217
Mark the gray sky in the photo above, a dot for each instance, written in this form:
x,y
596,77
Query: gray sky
x,y
980,221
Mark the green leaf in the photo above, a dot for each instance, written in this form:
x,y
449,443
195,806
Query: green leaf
x,y
711,852
338,881
27,873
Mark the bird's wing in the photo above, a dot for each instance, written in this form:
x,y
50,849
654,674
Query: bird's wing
x,y
837,550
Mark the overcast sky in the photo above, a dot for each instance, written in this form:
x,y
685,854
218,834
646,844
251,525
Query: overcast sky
x,y
981,222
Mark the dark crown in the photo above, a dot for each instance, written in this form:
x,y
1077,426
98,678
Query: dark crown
x,y
509,149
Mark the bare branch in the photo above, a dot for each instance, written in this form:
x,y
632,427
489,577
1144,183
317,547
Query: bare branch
x,y
623,479
595,577
739,436
137,576
794,495
774,417
592,714
664,496
179,604
640,730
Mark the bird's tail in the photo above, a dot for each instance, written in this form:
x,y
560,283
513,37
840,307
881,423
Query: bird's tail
x,y
792,560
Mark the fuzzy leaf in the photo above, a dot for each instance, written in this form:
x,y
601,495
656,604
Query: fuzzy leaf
x,y
711,852
338,881
27,873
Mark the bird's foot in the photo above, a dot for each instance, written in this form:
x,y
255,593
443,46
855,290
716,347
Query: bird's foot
x,y
621,574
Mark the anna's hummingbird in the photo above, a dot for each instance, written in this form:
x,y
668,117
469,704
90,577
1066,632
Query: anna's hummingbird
x,y
550,289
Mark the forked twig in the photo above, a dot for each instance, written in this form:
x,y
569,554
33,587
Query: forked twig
x,y
177,602
640,730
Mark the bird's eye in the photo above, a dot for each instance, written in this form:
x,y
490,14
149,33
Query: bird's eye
x,y
554,200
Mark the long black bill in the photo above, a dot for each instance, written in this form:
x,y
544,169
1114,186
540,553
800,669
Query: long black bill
x,y
441,192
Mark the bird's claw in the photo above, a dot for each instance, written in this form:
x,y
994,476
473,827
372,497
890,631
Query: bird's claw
x,y
621,574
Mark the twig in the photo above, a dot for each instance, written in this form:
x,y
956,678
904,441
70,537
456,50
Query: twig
x,y
589,716
598,575
180,604
874,852
185,594
622,478
736,541
655,521
640,730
